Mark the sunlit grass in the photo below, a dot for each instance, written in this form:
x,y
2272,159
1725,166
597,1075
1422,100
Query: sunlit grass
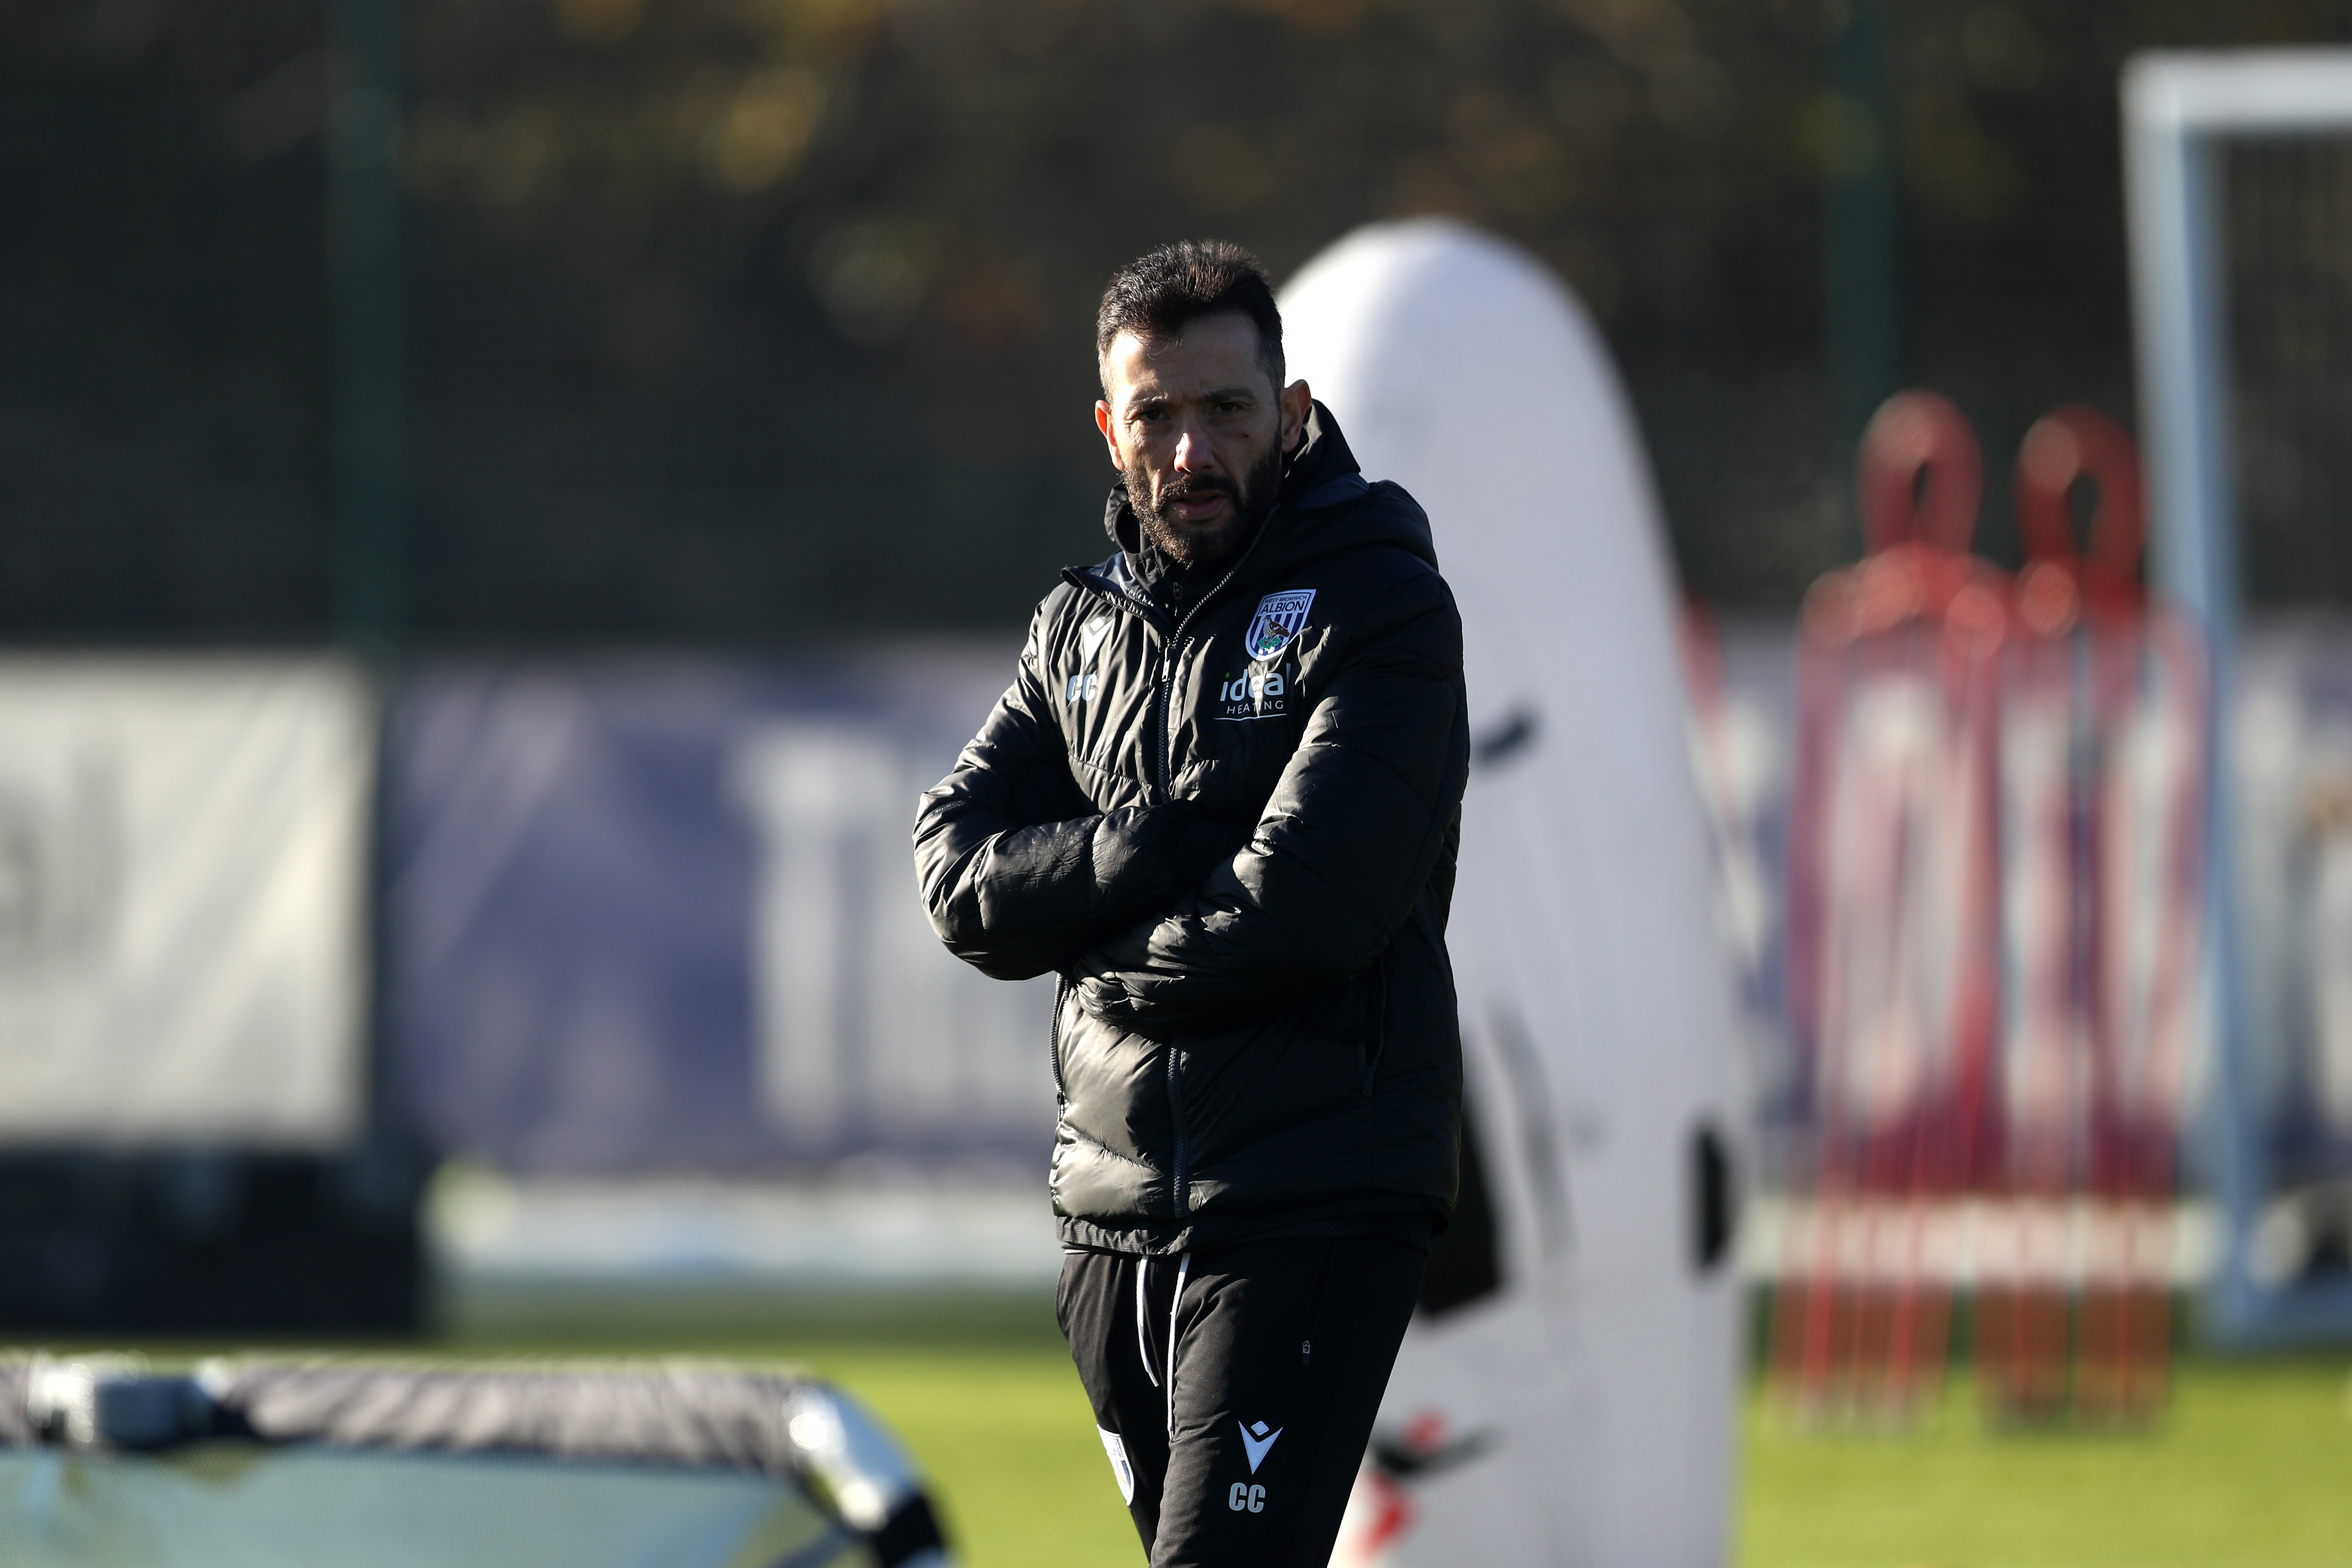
x,y
2250,1465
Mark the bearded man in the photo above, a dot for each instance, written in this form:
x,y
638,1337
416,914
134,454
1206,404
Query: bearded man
x,y
1220,800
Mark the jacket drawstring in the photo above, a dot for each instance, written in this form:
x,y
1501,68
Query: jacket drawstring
x,y
1183,1267
1142,1331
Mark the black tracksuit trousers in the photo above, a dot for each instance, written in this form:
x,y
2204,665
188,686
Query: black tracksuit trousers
x,y
1238,1446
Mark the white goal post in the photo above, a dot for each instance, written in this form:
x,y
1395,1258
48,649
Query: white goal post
x,y
2180,111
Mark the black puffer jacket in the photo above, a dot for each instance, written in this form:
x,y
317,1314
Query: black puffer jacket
x,y
1233,837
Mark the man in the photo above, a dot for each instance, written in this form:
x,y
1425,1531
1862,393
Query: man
x,y
1222,800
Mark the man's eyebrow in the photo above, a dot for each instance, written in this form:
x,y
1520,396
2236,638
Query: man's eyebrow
x,y
1242,392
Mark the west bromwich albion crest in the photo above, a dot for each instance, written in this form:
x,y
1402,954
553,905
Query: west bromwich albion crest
x,y
1278,619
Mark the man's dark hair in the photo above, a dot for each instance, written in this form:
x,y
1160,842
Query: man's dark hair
x,y
1159,295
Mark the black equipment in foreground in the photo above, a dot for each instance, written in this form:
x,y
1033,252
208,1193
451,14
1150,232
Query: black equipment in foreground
x,y
352,1463
96,1243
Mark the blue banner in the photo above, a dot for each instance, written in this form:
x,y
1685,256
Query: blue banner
x,y
662,915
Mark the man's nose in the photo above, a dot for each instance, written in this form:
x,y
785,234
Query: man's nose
x,y
1192,450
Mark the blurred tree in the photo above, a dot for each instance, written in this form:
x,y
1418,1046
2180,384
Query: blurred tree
x,y
163,342
769,318
827,269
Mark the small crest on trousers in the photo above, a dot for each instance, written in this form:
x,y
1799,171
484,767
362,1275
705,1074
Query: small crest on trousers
x,y
1276,621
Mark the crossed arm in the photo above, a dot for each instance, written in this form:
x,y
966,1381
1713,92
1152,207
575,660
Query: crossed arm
x,y
1168,922
1020,872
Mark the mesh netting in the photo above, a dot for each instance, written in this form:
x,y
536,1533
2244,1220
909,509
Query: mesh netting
x,y
2288,214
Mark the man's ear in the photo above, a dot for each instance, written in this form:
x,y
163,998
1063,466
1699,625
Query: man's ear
x,y
1102,423
1297,403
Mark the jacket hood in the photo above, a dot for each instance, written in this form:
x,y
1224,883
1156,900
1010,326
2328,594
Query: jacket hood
x,y
1325,505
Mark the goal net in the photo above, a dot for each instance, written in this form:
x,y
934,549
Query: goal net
x,y
2240,179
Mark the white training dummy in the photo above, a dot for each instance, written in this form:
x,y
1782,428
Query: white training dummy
x,y
1580,1414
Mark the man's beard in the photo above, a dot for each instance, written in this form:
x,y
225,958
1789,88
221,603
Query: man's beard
x,y
1213,545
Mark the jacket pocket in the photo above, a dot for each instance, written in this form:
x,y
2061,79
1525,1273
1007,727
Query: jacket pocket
x,y
1352,1014
1371,1036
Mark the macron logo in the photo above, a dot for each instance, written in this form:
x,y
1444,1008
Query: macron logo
x,y
1256,1441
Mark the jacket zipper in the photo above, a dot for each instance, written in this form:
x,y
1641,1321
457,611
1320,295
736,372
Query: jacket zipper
x,y
1170,656
1171,659
1180,1198
1054,1038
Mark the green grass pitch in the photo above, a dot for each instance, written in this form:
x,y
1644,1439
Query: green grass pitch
x,y
2250,1467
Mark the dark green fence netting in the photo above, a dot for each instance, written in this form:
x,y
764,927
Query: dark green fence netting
x,y
260,1464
